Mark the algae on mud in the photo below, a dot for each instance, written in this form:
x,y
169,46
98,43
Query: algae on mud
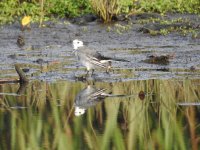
x,y
47,52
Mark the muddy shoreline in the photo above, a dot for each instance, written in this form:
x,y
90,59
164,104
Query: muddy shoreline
x,y
47,53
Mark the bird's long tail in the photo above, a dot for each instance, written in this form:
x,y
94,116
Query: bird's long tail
x,y
122,95
119,59
115,59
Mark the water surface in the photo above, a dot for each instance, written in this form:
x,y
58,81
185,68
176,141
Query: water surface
x,y
139,105
142,114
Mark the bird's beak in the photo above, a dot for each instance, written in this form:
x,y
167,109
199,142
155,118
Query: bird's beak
x,y
86,43
70,41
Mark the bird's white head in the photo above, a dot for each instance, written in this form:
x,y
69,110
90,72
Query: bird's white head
x,y
77,44
79,111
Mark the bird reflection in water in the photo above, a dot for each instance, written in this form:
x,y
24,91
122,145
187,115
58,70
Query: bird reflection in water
x,y
89,97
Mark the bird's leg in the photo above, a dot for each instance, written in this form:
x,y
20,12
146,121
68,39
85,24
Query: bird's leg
x,y
107,70
92,72
87,74
109,67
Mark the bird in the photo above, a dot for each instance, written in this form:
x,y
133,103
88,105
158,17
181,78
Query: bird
x,y
86,98
91,59
20,41
89,97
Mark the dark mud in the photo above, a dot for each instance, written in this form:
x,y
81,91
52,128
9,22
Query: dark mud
x,y
46,53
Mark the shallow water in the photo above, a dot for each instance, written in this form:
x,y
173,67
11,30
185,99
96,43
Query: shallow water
x,y
138,105
142,114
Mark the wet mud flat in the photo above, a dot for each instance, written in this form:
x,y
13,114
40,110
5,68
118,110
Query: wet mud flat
x,y
152,101
46,53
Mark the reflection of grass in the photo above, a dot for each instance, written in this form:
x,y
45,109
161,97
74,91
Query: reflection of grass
x,y
120,123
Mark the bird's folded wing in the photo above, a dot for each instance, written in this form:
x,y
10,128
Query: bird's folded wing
x,y
104,59
97,94
95,61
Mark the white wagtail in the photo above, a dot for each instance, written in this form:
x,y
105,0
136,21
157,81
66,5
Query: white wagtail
x,y
91,59
89,97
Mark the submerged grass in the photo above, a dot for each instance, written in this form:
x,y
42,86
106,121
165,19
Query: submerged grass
x,y
156,122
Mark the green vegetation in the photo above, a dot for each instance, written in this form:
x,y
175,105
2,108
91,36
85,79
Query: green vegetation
x,y
41,10
48,122
163,6
10,10
106,9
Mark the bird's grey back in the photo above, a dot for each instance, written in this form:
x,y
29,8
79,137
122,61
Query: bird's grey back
x,y
88,96
88,51
93,53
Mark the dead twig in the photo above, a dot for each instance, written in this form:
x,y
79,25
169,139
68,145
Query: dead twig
x,y
22,76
